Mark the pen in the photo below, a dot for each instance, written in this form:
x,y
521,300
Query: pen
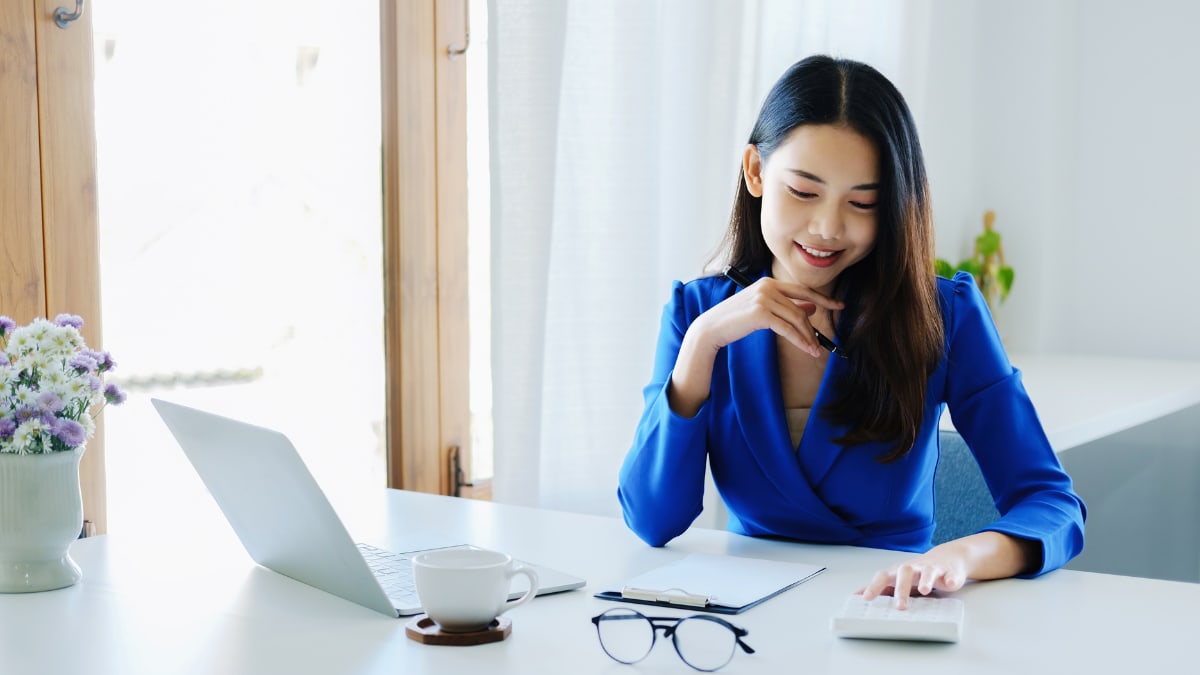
x,y
735,275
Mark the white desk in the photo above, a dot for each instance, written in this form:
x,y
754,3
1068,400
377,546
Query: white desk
x,y
164,605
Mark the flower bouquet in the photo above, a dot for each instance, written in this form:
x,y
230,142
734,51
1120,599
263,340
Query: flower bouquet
x,y
51,386
50,391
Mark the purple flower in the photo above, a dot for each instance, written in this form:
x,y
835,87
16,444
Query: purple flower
x,y
113,394
4,359
25,414
7,426
72,320
68,431
105,361
49,401
6,324
94,383
83,363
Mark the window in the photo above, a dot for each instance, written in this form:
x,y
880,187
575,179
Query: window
x,y
240,226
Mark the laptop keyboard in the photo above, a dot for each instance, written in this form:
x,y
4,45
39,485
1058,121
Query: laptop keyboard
x,y
394,572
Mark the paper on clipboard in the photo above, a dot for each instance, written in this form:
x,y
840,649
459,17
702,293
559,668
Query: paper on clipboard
x,y
716,583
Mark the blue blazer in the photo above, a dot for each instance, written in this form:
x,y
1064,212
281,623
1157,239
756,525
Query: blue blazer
x,y
825,492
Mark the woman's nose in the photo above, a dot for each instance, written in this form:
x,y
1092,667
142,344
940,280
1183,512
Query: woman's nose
x,y
826,223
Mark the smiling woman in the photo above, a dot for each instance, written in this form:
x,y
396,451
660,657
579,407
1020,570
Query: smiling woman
x,y
845,246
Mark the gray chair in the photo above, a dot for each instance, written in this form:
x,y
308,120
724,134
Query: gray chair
x,y
962,502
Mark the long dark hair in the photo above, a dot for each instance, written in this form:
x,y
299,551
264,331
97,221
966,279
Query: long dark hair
x,y
891,326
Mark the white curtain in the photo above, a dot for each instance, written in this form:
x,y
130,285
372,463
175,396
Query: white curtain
x,y
616,135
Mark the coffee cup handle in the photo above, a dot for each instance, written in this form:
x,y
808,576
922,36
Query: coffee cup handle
x,y
530,574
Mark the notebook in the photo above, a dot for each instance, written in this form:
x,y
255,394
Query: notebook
x,y
722,584
286,523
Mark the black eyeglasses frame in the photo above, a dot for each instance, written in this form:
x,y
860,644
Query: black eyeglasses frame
x,y
669,625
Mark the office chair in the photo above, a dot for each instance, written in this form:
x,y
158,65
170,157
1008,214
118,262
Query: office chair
x,y
962,502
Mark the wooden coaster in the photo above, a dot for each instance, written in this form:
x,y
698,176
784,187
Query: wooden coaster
x,y
424,630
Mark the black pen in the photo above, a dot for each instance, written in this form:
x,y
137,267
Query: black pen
x,y
735,275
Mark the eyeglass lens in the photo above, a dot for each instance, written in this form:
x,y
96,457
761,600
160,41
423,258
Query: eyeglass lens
x,y
625,635
704,643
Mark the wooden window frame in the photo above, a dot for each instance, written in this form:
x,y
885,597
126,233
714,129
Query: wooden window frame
x,y
425,243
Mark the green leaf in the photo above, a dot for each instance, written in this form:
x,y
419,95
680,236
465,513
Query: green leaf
x,y
1005,277
972,267
943,268
988,242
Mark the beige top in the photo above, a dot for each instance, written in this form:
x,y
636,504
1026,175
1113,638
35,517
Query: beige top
x,y
797,419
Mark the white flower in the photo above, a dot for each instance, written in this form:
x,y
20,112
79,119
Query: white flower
x,y
78,388
24,396
89,424
53,378
25,361
39,361
28,437
40,328
8,375
22,342
61,390
61,341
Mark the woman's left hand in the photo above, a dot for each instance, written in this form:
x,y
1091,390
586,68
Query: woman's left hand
x,y
946,567
941,569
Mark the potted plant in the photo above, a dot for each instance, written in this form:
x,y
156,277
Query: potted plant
x,y
51,388
986,264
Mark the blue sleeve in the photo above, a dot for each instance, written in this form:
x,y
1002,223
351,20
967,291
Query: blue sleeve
x,y
994,415
661,483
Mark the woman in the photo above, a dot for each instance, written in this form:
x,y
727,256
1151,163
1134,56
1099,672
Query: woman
x,y
832,231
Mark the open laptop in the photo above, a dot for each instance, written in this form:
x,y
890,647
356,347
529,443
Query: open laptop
x,y
288,525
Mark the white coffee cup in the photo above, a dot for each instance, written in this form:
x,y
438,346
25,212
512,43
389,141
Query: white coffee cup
x,y
464,589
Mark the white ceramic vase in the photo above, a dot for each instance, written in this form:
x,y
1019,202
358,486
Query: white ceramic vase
x,y
41,513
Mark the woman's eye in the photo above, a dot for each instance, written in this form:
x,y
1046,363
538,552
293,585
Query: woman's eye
x,y
801,195
865,206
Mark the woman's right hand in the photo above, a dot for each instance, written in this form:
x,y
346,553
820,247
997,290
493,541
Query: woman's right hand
x,y
780,306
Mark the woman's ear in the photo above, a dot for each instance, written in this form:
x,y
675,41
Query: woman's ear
x,y
752,170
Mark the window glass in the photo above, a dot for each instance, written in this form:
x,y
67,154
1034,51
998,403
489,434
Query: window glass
x,y
238,149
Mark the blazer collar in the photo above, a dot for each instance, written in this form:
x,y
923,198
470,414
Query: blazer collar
x,y
754,379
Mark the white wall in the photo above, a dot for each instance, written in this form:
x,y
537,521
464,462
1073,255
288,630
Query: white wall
x,y
1077,123
1138,230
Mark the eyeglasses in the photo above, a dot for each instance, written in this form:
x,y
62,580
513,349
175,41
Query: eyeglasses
x,y
703,642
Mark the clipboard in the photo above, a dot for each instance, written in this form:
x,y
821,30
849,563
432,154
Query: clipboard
x,y
720,584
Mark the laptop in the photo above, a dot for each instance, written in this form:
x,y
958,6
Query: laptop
x,y
286,523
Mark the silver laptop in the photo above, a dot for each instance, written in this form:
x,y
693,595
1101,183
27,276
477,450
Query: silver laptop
x,y
288,525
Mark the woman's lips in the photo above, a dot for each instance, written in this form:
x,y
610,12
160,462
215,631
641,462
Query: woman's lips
x,y
818,257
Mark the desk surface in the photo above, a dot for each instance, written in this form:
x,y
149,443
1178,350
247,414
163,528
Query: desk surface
x,y
200,605
1084,398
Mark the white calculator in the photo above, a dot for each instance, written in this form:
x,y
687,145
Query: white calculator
x,y
927,619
